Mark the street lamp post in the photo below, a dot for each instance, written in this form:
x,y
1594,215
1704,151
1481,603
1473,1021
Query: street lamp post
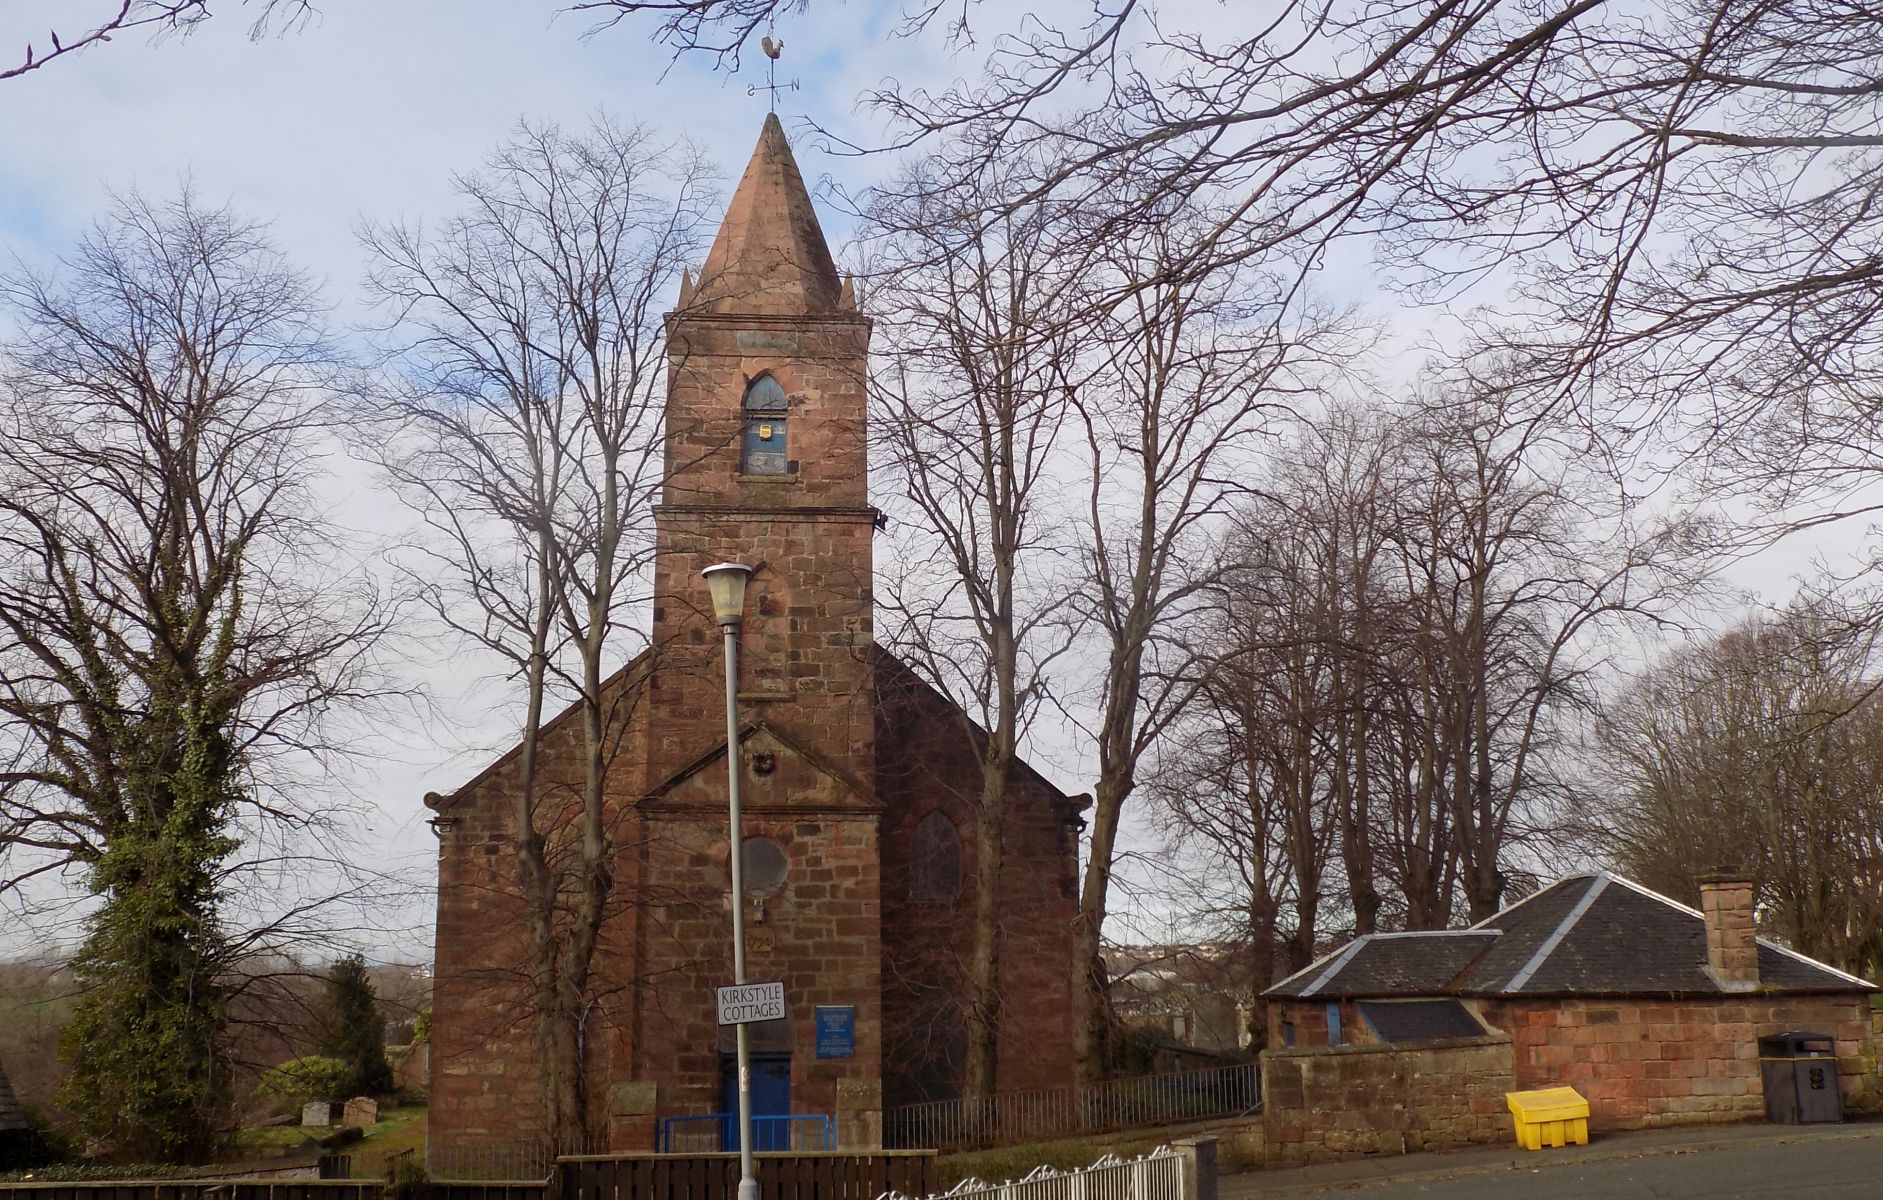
x,y
726,582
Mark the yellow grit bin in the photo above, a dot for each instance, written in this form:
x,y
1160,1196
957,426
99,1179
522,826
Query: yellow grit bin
x,y
1549,1117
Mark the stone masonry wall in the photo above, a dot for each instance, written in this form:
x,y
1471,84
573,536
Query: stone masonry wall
x,y
1329,1102
1309,1021
484,1087
807,636
804,650
818,934
926,763
1665,1062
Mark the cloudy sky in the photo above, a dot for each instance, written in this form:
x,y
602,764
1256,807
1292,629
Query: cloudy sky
x,y
363,113
367,109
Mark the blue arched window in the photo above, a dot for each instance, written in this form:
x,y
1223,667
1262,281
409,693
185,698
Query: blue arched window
x,y
765,449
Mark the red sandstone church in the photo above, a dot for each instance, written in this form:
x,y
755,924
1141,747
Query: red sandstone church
x,y
857,777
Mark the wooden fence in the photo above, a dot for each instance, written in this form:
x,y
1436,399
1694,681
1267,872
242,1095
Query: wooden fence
x,y
808,1175
261,1189
834,1175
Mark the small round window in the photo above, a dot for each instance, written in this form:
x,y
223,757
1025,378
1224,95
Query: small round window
x,y
766,867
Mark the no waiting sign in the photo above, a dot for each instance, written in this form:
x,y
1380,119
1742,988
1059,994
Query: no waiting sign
x,y
744,1003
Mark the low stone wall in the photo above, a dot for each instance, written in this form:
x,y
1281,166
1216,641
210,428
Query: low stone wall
x,y
1328,1102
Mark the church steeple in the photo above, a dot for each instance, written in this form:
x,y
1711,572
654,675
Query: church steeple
x,y
767,464
770,257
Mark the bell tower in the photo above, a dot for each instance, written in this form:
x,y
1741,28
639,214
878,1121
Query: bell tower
x,y
766,464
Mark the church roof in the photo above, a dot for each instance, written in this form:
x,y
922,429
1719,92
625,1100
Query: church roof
x,y
628,675
770,257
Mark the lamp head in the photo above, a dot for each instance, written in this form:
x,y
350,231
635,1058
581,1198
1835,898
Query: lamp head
x,y
726,581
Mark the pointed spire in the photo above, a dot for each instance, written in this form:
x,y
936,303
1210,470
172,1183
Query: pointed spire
x,y
770,256
686,288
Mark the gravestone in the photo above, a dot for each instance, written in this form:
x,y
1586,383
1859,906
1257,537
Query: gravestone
x,y
318,1113
361,1111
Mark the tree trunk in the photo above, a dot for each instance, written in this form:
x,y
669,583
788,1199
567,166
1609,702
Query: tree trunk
x,y
1089,1017
982,1069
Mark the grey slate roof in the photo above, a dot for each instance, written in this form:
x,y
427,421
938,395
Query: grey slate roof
x,y
1420,1020
12,1117
1390,964
1587,934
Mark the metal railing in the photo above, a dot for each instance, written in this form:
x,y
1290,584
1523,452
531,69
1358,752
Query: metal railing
x,y
490,1160
1158,1175
716,1132
1066,1112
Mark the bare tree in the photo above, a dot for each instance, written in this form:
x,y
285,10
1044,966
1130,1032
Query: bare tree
x,y
1686,193
1756,750
1411,619
1296,666
115,17
1188,373
1330,499
530,335
177,626
971,412
167,405
1241,775
1515,556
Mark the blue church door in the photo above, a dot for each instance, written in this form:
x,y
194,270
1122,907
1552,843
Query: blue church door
x,y
771,1097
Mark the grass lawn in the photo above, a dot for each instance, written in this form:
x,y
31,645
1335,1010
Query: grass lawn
x,y
398,1129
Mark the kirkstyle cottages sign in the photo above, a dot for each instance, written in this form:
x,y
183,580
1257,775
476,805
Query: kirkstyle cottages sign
x,y
745,1003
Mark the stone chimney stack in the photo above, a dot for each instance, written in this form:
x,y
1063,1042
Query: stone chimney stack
x,y
1732,954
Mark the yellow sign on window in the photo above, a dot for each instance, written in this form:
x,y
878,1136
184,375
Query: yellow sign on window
x,y
765,432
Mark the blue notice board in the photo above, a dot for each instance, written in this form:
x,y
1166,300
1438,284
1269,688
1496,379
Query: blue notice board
x,y
836,1031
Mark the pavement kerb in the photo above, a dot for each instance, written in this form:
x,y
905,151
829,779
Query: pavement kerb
x,y
1408,1168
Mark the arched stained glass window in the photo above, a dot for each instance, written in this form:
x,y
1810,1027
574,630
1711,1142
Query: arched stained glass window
x,y
935,859
765,449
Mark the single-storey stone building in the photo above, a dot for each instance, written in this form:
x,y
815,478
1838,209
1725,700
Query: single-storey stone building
x,y
1651,1009
859,779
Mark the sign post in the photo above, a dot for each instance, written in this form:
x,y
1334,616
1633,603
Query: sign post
x,y
727,583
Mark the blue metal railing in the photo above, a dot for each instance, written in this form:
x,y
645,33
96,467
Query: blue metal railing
x,y
716,1132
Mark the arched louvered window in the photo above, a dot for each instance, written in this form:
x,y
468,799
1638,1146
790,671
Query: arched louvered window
x,y
935,859
765,449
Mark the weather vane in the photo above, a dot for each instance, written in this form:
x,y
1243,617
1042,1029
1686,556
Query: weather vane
x,y
772,51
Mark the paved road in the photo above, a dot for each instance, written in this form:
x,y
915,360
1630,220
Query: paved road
x,y
1816,1168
